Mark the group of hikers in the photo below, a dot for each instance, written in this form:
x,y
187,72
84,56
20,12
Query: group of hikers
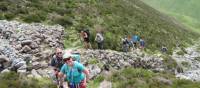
x,y
128,43
132,42
99,39
68,71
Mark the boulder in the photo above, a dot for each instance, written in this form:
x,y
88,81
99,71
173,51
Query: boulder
x,y
25,49
94,70
35,74
26,42
164,80
3,59
18,47
34,45
105,84
5,71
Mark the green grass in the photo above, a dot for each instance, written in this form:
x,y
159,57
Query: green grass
x,y
185,64
141,78
116,17
187,12
96,82
14,80
169,62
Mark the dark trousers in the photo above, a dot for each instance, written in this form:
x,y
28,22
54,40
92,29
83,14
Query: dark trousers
x,y
100,45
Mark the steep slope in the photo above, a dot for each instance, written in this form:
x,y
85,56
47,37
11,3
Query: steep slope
x,y
116,17
185,11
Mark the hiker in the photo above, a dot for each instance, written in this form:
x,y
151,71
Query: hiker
x,y
164,49
130,43
125,44
75,73
142,43
99,39
135,39
86,38
56,63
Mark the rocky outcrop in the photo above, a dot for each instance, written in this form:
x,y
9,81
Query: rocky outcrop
x,y
189,62
27,47
108,59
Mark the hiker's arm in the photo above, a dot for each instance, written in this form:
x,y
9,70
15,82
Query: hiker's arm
x,y
52,64
86,72
62,72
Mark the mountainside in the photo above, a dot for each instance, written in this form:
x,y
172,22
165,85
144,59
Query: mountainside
x,y
186,11
116,17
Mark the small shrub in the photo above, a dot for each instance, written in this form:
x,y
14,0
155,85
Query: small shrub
x,y
13,80
96,82
197,58
169,62
93,61
9,16
180,52
35,17
185,64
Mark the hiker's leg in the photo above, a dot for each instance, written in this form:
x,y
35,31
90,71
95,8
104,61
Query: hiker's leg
x,y
85,44
101,45
65,85
90,46
98,46
83,83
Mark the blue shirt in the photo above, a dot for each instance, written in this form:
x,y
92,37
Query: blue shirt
x,y
142,43
74,74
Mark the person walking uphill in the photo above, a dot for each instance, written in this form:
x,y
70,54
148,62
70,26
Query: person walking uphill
x,y
99,39
75,73
56,63
86,38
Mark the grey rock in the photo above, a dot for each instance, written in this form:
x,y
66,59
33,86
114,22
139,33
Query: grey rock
x,y
164,80
36,65
35,51
5,71
3,59
42,73
18,47
94,70
35,74
25,49
34,45
105,84
26,42
44,64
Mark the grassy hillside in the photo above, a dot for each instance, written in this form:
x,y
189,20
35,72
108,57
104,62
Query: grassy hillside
x,y
14,80
186,11
140,78
116,17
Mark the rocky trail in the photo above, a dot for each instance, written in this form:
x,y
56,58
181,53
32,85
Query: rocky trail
x,y
189,61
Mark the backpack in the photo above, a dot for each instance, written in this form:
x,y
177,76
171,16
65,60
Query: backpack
x,y
125,41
